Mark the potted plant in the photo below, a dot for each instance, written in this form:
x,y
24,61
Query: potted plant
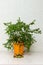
x,y
20,36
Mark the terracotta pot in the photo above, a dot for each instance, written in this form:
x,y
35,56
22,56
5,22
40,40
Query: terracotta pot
x,y
18,49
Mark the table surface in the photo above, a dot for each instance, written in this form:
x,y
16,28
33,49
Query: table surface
x,y
31,58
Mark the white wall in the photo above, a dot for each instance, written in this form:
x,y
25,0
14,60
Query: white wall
x,y
28,10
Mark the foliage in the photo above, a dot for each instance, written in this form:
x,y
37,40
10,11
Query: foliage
x,y
20,32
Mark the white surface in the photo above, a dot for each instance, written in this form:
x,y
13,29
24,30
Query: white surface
x,y
28,10
28,59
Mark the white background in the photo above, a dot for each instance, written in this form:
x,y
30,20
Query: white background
x,y
28,10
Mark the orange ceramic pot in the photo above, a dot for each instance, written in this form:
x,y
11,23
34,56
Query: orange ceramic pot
x,y
18,49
